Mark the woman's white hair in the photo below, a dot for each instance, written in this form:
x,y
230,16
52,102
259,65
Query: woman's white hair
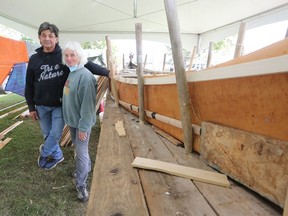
x,y
77,49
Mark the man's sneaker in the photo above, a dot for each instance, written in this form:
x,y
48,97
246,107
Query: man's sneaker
x,y
82,193
40,148
51,164
42,161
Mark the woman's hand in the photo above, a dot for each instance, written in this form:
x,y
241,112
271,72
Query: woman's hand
x,y
82,135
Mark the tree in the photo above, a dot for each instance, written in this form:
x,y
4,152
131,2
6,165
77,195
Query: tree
x,y
94,45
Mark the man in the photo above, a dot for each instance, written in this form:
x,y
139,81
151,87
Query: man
x,y
45,79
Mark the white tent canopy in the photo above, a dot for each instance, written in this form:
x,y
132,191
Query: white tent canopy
x,y
90,20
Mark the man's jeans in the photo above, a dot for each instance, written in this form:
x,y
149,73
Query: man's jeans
x,y
52,124
83,162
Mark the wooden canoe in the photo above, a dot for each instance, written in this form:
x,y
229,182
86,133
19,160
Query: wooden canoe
x,y
248,94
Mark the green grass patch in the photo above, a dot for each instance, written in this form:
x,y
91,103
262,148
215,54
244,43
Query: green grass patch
x,y
25,189
10,99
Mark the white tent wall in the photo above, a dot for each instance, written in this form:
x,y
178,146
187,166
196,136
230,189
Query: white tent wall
x,y
273,16
203,20
20,27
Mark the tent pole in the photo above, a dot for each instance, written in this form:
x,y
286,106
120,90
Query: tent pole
x,y
182,85
139,69
240,40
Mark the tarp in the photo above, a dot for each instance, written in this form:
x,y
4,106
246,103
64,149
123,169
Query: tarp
x,y
11,52
17,77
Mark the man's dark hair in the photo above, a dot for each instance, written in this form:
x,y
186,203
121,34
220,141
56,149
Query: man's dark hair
x,y
48,26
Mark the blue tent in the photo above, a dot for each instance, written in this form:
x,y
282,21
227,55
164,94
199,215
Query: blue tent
x,y
16,80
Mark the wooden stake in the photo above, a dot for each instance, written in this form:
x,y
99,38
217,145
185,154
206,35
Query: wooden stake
x,y
192,57
111,68
240,39
209,54
182,85
138,27
145,61
164,62
123,61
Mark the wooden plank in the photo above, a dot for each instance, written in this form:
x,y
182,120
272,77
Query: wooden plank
x,y
182,171
13,111
259,162
165,194
7,130
119,127
116,188
6,141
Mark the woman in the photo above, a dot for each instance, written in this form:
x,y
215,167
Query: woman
x,y
79,101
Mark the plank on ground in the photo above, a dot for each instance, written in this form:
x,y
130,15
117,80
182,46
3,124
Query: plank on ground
x,y
5,142
7,130
165,194
182,171
116,188
259,162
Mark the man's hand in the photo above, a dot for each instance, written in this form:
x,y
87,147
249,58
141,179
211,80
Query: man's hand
x,y
34,115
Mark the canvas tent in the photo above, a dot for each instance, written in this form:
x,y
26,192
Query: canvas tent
x,y
201,21
12,52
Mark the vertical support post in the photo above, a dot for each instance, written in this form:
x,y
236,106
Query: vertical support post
x,y
123,61
286,33
164,62
240,40
112,72
138,27
209,54
192,58
181,80
145,61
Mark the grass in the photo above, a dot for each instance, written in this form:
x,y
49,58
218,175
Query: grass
x,y
25,189
10,99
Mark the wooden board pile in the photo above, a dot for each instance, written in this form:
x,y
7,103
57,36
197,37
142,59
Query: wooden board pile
x,y
5,141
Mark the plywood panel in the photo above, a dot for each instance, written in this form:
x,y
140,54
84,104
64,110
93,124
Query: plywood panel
x,y
259,162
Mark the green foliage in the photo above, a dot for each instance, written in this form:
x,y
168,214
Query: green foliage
x,y
227,42
28,40
94,45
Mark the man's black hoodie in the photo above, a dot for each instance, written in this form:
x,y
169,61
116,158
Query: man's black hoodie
x,y
46,76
